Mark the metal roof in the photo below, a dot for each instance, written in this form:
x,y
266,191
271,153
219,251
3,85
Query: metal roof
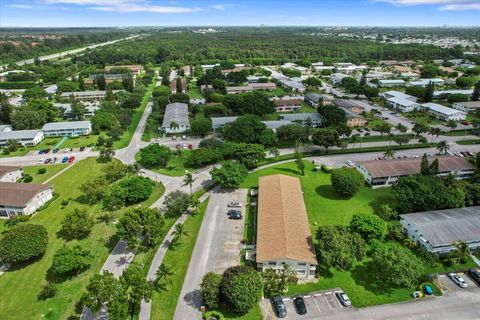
x,y
19,134
440,109
301,116
176,112
65,125
448,226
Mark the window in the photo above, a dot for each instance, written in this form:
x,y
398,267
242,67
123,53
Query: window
x,y
272,263
300,271
302,264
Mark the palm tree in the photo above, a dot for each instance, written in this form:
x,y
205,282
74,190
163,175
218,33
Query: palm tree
x,y
274,152
188,180
134,168
435,132
180,231
389,153
163,275
463,251
354,139
195,203
443,147
400,127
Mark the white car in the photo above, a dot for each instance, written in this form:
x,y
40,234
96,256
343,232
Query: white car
x,y
458,280
343,298
235,204
41,161
66,150
349,163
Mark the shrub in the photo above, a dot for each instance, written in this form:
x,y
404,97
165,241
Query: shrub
x,y
49,289
77,224
213,314
369,226
347,181
230,175
242,288
27,178
210,288
155,155
42,171
71,260
23,243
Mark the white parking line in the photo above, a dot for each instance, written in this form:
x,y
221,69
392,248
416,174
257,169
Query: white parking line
x,y
316,304
325,297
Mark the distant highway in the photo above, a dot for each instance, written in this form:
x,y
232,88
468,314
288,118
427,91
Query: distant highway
x,y
66,53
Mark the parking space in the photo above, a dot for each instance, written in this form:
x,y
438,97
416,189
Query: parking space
x,y
320,305
449,286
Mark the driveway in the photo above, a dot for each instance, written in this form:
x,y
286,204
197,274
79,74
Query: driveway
x,y
218,247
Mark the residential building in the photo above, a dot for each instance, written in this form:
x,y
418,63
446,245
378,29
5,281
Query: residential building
x,y
352,105
133,68
402,104
440,230
382,173
397,94
206,67
109,78
267,86
239,89
322,68
275,124
287,105
67,129
175,119
388,62
219,122
5,128
444,113
313,99
391,83
468,107
425,82
173,86
351,69
24,137
10,173
354,120
66,110
296,86
283,232
18,199
315,119
337,78
410,75
445,93
204,88
187,70
87,95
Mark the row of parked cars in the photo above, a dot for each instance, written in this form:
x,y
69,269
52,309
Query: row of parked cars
x,y
55,159
299,304
56,150
234,214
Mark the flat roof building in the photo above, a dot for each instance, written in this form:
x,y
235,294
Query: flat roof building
x,y
67,129
444,113
383,173
18,199
404,105
425,82
283,232
287,105
87,95
175,119
438,231
468,107
133,68
391,83
398,94
24,137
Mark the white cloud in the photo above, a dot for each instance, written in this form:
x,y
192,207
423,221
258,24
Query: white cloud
x,y
460,7
20,6
220,7
126,6
444,5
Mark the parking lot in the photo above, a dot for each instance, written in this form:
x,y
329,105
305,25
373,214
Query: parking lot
x,y
450,287
321,304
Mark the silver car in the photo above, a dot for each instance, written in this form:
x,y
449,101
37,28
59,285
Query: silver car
x,y
235,204
343,298
458,280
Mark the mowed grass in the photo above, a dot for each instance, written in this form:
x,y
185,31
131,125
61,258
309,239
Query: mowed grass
x,y
177,258
20,286
324,205
42,177
175,166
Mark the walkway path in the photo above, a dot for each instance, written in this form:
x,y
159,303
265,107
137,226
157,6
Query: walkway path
x,y
58,173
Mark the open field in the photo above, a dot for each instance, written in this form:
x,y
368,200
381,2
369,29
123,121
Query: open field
x,y
40,178
20,285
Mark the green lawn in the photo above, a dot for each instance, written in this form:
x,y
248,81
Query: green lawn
x,y
40,178
469,142
385,137
194,91
175,166
306,108
128,134
278,92
177,258
20,285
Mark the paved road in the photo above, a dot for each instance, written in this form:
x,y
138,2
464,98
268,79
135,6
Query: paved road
x,y
73,51
218,247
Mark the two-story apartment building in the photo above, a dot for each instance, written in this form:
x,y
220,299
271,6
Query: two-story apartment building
x,y
22,198
67,128
10,173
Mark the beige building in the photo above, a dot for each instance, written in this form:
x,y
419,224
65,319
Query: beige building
x,y
18,199
287,105
283,232
10,173
134,68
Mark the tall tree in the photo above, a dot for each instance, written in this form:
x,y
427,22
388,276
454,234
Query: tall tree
x,y
188,180
476,91
428,94
326,138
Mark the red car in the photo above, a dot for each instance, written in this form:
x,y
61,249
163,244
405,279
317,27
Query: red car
x,y
71,159
190,146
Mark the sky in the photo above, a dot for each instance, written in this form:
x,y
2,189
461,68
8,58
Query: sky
x,y
111,13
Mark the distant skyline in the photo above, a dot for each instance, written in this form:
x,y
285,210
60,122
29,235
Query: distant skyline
x,y
124,13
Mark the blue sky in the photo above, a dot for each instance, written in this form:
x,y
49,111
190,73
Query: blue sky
x,y
81,13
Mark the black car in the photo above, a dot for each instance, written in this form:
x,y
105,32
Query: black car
x,y
279,306
82,148
236,215
230,212
299,304
474,274
46,150
55,150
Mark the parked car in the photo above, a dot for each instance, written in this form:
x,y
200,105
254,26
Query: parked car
x,y
428,290
184,137
475,274
184,146
65,150
299,304
279,306
41,161
46,150
71,159
343,298
235,215
65,159
349,163
82,148
417,294
235,204
458,280
47,161
54,159
55,150
40,151
190,146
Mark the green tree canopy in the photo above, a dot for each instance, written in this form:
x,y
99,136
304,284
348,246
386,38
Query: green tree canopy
x,y
241,288
230,175
22,243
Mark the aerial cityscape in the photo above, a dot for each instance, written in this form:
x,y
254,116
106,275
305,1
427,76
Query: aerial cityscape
x,y
239,160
